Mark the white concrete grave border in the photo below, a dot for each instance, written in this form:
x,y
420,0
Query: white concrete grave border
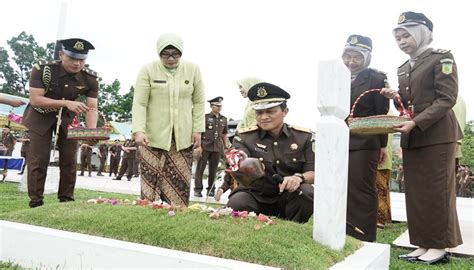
x,y
33,246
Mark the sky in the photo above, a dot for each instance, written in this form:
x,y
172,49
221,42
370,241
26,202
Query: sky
x,y
280,42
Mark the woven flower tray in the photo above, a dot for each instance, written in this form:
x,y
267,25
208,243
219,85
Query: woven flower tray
x,y
377,124
82,133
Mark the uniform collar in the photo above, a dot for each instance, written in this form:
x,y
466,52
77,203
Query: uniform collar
x,y
262,133
361,77
421,58
64,73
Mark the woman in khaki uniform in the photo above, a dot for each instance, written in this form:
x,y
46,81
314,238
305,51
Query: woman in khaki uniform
x,y
365,151
428,86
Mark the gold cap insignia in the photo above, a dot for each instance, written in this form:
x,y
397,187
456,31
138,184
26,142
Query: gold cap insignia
x,y
79,46
402,18
293,146
261,92
353,40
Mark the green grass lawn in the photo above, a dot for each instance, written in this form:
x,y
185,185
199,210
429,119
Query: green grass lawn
x,y
286,244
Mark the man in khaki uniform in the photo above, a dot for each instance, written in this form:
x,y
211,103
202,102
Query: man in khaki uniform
x,y
115,155
86,156
103,153
54,88
8,141
287,153
213,141
129,155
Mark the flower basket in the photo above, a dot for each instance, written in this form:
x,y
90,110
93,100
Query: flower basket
x,y
376,124
82,133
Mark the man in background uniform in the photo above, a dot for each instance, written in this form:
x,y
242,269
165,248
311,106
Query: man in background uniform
x,y
129,148
115,156
103,153
287,153
86,158
55,85
213,141
25,147
8,141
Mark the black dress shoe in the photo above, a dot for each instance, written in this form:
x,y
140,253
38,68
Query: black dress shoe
x,y
197,194
407,257
211,194
81,174
36,204
440,260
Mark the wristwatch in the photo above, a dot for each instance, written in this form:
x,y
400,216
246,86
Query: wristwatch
x,y
300,175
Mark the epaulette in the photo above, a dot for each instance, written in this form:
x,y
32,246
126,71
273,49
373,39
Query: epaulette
x,y
440,51
247,129
90,72
303,129
404,63
40,63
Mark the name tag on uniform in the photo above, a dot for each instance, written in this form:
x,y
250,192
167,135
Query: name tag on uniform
x,y
159,81
260,148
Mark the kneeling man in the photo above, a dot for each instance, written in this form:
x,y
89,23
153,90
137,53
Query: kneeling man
x,y
287,153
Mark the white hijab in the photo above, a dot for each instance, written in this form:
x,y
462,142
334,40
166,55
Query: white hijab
x,y
422,36
367,57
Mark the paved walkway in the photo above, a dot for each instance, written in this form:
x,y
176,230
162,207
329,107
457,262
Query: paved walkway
x,y
105,183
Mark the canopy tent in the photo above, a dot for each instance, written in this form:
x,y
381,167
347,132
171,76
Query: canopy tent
x,y
6,110
121,131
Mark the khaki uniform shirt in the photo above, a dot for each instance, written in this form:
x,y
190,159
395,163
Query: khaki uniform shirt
x,y
8,140
116,149
103,149
131,153
25,145
216,127
86,150
62,85
430,89
290,153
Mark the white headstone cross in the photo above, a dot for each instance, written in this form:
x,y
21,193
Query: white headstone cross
x,y
332,154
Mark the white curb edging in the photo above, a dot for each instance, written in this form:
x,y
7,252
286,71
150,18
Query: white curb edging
x,y
33,246
370,256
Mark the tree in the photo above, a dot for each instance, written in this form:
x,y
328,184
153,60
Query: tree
x,y
114,106
110,100
26,52
467,146
126,106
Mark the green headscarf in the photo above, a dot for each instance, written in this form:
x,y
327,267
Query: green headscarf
x,y
248,82
169,39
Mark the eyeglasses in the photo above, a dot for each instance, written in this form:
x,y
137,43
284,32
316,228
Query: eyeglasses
x,y
167,55
355,58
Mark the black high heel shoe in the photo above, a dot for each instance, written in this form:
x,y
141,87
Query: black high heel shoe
x,y
440,260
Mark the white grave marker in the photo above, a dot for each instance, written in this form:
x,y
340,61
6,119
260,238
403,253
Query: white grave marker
x,y
332,154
